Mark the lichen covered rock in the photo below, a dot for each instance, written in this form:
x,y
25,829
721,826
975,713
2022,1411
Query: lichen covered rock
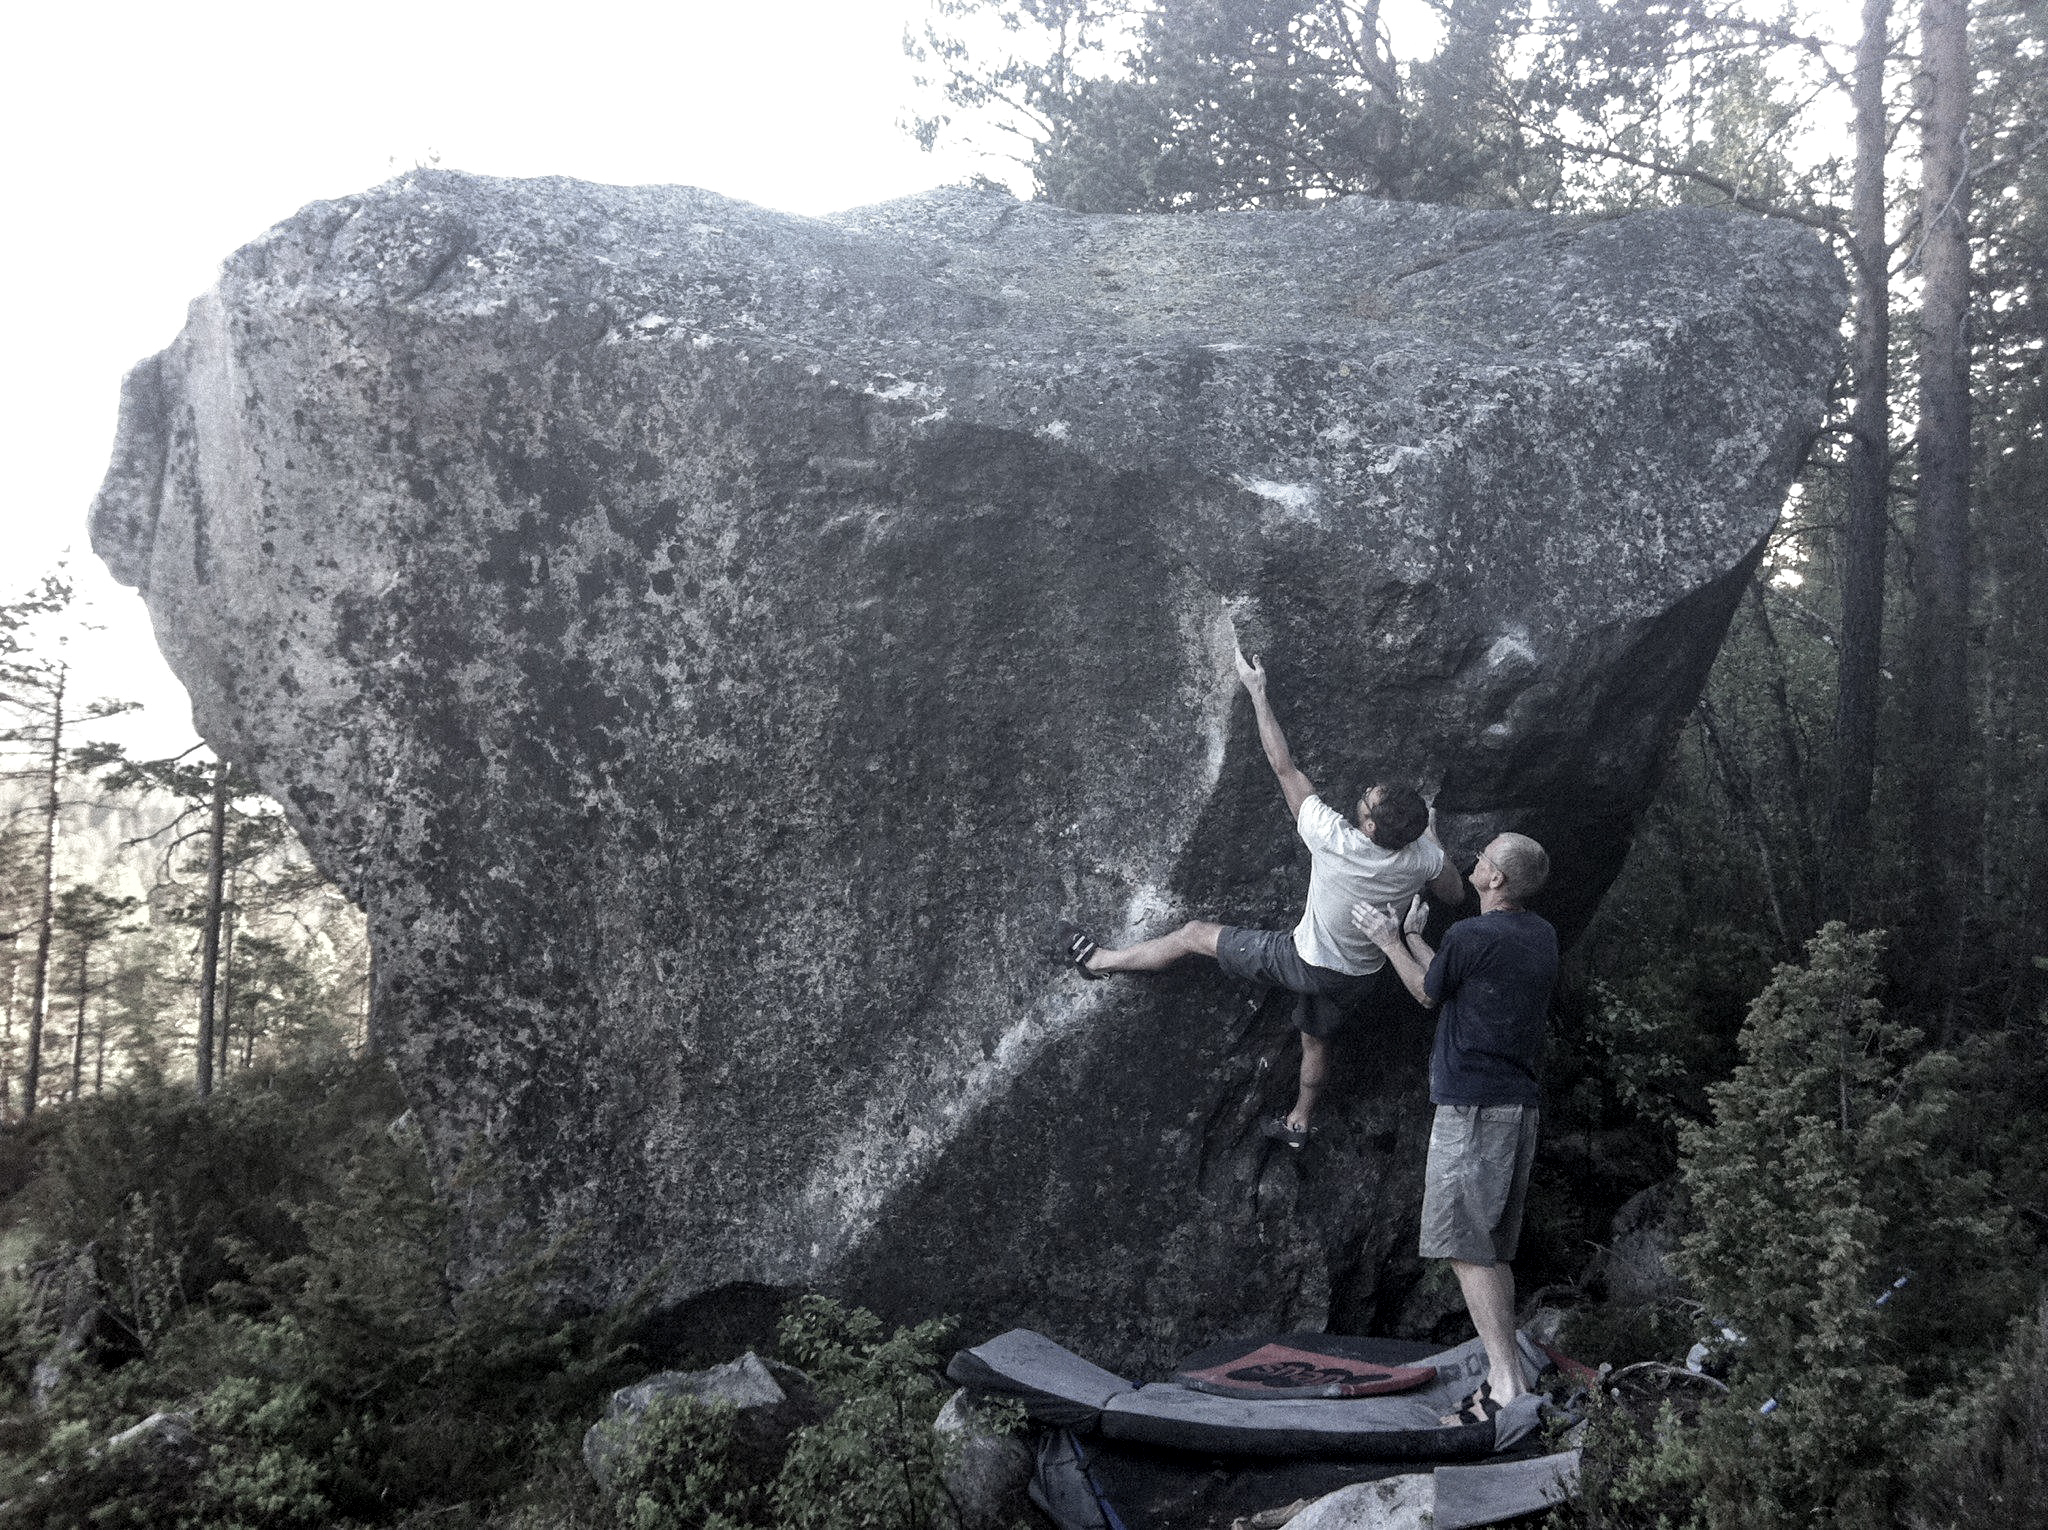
x,y
714,645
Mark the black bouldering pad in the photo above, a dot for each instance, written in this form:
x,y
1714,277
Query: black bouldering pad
x,y
1055,1385
1059,1388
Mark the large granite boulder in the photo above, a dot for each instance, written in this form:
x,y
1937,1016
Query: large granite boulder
x,y
714,645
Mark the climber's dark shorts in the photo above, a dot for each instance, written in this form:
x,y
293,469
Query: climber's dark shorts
x,y
1323,999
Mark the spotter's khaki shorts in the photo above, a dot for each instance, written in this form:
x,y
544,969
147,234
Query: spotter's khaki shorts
x,y
1476,1180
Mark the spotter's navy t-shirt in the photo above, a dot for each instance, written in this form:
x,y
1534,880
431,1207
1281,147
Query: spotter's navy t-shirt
x,y
1493,976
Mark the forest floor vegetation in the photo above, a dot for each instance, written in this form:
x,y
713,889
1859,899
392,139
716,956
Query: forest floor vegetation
x,y
259,1280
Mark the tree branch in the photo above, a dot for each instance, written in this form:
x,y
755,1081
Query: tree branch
x,y
1832,227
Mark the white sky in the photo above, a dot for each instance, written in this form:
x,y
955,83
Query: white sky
x,y
143,142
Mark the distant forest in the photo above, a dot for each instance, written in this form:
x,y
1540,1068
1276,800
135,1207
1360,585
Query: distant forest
x,y
157,917
1805,1041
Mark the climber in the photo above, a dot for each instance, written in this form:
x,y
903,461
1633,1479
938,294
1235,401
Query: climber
x,y
1325,961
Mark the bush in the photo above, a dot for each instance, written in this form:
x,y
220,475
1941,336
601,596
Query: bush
x,y
1990,1471
334,1374
683,1468
1826,1169
1636,1472
875,1462
176,1194
279,1260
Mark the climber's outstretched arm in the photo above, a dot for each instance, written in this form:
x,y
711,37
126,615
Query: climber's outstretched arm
x,y
1296,786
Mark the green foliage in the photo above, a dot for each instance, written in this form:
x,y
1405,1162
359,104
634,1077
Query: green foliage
x,y
210,1185
684,1467
1636,1473
1697,100
293,963
1827,1166
1989,1469
2007,1070
1621,1333
1643,1049
876,1462
1627,1062
1178,105
1830,1166
286,1276
25,665
146,995
278,1262
1802,1189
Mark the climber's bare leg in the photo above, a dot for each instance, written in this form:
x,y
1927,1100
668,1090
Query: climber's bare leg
x,y
1195,938
1315,1071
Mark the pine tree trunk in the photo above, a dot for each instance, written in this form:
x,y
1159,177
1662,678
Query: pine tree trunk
x,y
227,980
1868,472
1941,529
46,918
1791,764
7,1035
209,955
78,1028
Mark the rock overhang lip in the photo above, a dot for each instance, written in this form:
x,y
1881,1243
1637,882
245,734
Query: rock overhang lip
x,y
1058,256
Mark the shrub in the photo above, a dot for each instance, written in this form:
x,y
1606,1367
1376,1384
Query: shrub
x,y
177,1194
876,1463
1990,1468
684,1469
1826,1168
336,1377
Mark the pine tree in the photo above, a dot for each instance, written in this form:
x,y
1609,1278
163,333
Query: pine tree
x,y
235,830
86,919
1825,1174
38,700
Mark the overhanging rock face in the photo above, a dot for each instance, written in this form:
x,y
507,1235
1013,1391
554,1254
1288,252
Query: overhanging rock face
x,y
715,645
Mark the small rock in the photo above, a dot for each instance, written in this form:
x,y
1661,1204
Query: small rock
x,y
745,1383
1393,1503
1544,1325
1271,1519
170,1433
1639,1250
988,1482
48,1374
749,1384
70,1287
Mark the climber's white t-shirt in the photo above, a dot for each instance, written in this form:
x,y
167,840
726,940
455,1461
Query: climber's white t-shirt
x,y
1348,868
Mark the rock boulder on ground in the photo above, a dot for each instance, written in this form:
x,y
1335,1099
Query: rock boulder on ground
x,y
988,1486
1406,1502
1638,1262
766,1412
715,645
